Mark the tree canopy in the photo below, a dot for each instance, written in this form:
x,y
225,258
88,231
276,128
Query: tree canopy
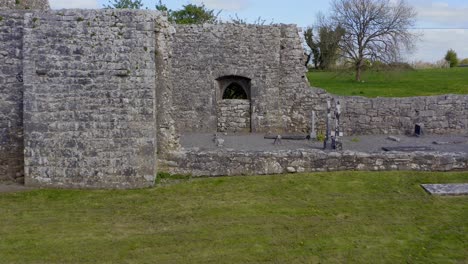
x,y
375,30
323,41
188,14
193,14
452,58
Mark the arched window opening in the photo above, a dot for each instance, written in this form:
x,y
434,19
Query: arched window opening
x,y
235,91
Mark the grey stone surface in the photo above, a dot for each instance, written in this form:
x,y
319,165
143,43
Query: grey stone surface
x,y
251,154
271,57
446,189
234,116
86,124
365,143
11,96
443,114
232,162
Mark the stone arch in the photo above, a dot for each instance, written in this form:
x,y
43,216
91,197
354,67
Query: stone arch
x,y
234,83
235,91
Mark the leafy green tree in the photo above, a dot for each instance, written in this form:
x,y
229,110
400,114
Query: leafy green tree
x,y
464,62
162,7
131,4
323,41
452,58
193,14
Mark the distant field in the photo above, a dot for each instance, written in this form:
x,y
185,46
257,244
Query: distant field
x,y
339,217
394,83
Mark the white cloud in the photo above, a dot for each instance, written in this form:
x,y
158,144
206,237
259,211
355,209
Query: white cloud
x,y
442,13
227,5
59,4
434,44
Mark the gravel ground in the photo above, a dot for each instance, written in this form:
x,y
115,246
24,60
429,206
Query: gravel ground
x,y
367,143
7,187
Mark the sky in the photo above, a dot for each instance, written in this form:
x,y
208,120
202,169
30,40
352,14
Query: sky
x,y
441,25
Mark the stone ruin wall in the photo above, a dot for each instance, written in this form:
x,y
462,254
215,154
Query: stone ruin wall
x,y
234,116
89,97
233,163
439,114
11,96
100,84
282,101
270,56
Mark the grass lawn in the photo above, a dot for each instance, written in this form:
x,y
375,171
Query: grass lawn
x,y
393,83
354,217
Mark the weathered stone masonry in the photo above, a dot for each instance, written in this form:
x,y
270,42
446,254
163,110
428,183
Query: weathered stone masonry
x,y
11,95
91,98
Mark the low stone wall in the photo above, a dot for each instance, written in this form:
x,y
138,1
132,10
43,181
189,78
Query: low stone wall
x,y
234,116
231,163
444,114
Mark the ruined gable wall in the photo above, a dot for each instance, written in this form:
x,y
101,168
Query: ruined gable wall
x,y
271,56
89,102
203,53
11,95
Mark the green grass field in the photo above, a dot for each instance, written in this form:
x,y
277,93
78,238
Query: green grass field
x,y
393,83
342,217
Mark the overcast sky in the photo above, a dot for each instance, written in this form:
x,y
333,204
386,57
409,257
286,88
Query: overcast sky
x,y
442,24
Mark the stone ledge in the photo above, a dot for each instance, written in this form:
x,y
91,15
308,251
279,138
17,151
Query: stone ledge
x,y
231,162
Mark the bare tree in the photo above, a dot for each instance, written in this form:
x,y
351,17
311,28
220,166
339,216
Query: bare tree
x,y
374,30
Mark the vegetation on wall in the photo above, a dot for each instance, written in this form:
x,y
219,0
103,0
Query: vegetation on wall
x,y
130,4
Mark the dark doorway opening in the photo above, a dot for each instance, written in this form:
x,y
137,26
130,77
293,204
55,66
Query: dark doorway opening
x,y
235,91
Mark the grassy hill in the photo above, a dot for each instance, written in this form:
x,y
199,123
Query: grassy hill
x,y
393,83
342,217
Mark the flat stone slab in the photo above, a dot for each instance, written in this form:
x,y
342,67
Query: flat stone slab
x,y
446,189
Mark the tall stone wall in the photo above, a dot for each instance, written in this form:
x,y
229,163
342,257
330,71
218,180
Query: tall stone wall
x,y
90,100
11,95
439,114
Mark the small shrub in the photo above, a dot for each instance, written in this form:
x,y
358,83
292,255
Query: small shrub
x,y
452,58
321,137
79,19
